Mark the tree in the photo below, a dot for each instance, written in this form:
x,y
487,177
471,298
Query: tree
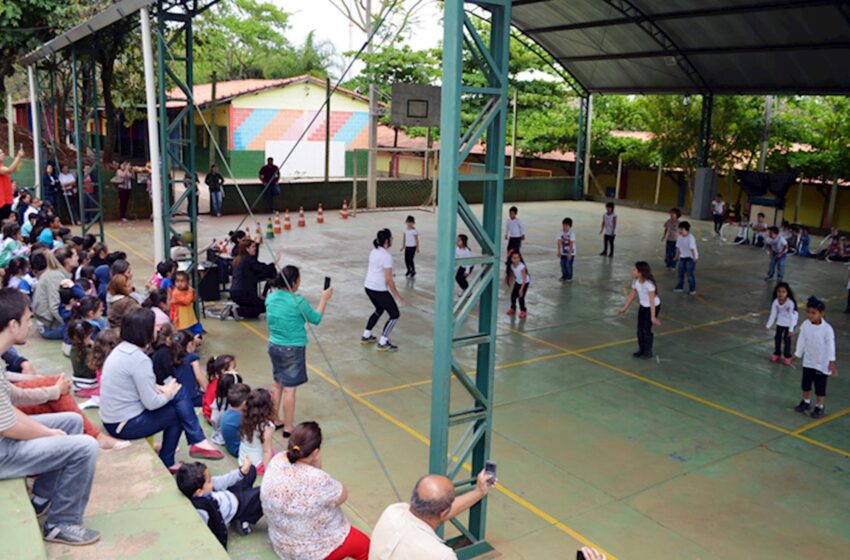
x,y
397,17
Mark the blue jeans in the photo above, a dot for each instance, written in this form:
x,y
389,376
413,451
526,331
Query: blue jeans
x,y
52,333
65,465
172,419
670,254
774,262
567,267
215,202
687,266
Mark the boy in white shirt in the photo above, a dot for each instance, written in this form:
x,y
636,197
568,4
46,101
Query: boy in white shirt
x,y
778,247
514,231
816,345
718,210
608,229
411,246
687,255
567,249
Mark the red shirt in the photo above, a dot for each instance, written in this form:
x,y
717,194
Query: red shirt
x,y
209,399
7,196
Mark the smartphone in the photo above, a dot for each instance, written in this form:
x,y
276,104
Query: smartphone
x,y
327,282
580,555
490,469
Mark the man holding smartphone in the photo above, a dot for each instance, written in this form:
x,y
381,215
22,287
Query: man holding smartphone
x,y
408,531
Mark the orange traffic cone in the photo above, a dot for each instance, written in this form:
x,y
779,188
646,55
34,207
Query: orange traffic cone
x,y
287,223
259,238
277,222
344,212
302,221
320,216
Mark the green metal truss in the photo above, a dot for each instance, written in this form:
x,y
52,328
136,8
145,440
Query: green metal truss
x,y
177,130
84,85
469,429
581,147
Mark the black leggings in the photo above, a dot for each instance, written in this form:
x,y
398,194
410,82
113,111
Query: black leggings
x,y
250,305
718,223
409,253
383,301
250,509
644,329
783,336
608,240
515,296
123,201
460,277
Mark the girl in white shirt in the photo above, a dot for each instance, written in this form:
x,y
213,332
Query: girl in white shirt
x,y
644,289
783,314
380,287
462,251
816,345
411,246
517,274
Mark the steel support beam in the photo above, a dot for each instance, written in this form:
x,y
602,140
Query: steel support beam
x,y
469,430
84,86
36,130
581,148
177,129
704,140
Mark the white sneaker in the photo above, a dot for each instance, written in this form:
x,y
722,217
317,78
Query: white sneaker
x,y
93,402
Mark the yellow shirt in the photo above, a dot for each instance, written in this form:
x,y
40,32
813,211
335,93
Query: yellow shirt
x,y
186,316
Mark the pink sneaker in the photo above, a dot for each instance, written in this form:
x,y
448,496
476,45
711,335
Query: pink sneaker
x,y
787,361
511,311
522,314
774,358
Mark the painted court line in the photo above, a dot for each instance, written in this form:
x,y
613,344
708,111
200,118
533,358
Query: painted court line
x,y
398,423
822,421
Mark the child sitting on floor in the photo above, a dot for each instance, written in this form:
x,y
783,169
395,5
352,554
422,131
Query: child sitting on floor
x,y
220,405
183,305
215,367
187,368
231,419
256,430
222,499
743,237
104,343
84,378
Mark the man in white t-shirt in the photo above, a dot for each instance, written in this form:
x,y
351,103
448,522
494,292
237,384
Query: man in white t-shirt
x,y
687,255
408,531
778,248
718,210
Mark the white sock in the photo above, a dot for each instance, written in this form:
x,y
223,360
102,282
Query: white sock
x,y
367,333
818,406
807,401
383,340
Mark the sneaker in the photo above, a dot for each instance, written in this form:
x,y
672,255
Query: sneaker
x,y
803,407
818,412
603,254
768,278
774,358
413,275
511,311
523,314
245,528
787,361
678,290
41,510
368,340
692,293
638,354
197,452
388,347
91,403
73,535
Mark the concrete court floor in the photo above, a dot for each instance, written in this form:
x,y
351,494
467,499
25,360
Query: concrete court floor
x,y
696,454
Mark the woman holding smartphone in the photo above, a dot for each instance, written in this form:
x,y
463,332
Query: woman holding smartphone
x,y
286,314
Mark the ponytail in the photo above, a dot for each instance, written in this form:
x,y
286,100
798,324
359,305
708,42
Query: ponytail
x,y
383,236
305,439
287,278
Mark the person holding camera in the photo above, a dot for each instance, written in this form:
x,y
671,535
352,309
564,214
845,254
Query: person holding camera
x,y
286,314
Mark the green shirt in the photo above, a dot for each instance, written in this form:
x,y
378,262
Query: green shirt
x,y
286,322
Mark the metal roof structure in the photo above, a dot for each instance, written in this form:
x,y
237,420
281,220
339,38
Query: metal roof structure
x,y
695,46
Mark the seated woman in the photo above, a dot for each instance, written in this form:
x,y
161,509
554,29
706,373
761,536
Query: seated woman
x,y
302,504
118,300
247,273
133,407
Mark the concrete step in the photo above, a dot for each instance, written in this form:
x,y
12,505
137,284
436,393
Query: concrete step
x,y
19,529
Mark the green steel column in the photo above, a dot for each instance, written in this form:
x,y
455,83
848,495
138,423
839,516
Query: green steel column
x,y
79,133
451,330
704,141
162,88
97,166
581,150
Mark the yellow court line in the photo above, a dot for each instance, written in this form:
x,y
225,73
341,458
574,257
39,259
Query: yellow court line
x,y
394,388
398,423
822,421
129,248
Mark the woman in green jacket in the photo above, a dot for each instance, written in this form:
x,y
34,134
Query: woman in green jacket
x,y
286,313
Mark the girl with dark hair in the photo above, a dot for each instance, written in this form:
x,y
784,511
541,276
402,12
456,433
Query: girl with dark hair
x,y
645,290
462,251
302,504
133,407
783,314
287,314
247,274
80,333
90,310
516,273
380,287
158,303
187,368
256,430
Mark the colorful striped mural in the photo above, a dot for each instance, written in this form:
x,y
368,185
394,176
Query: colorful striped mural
x,y
250,128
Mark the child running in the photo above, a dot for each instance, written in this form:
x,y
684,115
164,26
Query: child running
x,y
411,246
517,274
514,231
687,255
567,249
644,289
718,212
462,251
777,246
816,345
783,314
256,430
669,237
608,230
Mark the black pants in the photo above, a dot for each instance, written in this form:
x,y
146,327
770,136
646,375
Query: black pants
x,y
718,223
783,337
516,296
409,253
383,301
813,376
514,244
460,277
5,212
250,509
608,240
123,201
250,304
644,329
848,302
